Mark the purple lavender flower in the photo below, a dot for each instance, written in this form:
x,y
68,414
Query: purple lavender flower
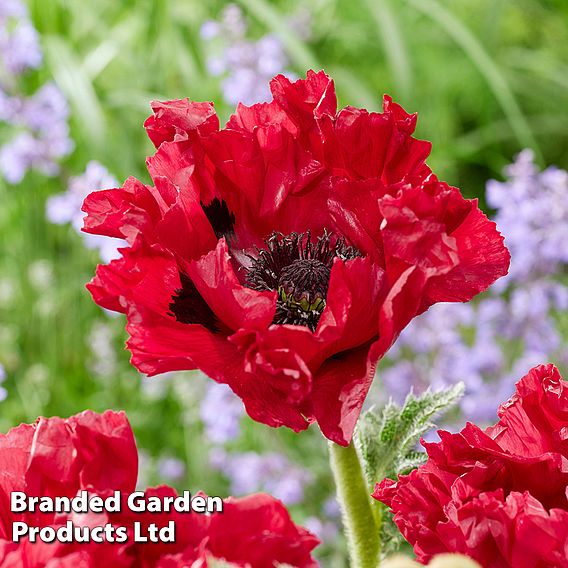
x,y
331,508
3,391
210,30
40,133
36,149
47,110
221,412
9,106
249,472
171,469
325,527
17,156
66,207
19,42
246,65
533,215
326,531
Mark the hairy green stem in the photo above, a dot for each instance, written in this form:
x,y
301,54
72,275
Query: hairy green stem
x,y
361,525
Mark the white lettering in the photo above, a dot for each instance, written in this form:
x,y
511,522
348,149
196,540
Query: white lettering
x,y
19,529
198,504
136,502
18,502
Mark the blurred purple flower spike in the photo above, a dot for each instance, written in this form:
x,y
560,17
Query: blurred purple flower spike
x,y
221,427
246,65
40,133
66,207
19,41
250,472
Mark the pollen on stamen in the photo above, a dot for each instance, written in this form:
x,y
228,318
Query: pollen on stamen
x,y
299,269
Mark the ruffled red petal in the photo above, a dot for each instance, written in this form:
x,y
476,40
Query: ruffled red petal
x,y
277,377
66,455
448,238
363,145
124,213
340,388
306,99
177,118
236,305
356,290
481,493
59,457
258,530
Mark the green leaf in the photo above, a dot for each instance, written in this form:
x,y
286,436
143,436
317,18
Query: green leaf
x,y
386,438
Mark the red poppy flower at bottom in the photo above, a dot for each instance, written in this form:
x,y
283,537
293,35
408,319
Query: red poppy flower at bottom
x,y
97,453
498,495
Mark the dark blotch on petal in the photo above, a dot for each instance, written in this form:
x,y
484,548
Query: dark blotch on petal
x,y
221,219
188,306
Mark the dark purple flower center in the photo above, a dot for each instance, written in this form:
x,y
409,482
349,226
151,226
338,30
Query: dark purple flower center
x,y
299,270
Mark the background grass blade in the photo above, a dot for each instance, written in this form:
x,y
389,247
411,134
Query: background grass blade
x,y
267,14
393,43
71,77
485,65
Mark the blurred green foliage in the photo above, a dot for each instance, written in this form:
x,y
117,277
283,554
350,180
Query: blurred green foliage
x,y
487,77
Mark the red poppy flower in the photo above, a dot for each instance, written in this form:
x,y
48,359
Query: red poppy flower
x,y
97,453
497,495
251,532
57,457
283,254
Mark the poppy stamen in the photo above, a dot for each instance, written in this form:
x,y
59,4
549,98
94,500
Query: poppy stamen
x,y
299,269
